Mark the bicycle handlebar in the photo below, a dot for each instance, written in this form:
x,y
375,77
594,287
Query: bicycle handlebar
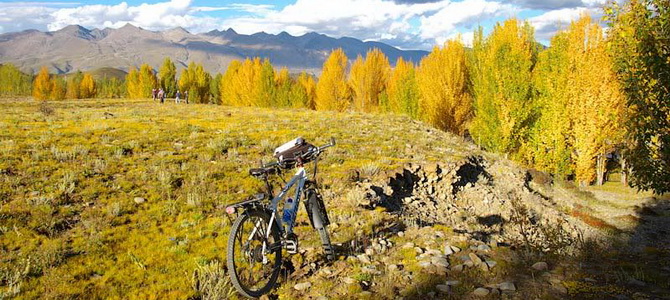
x,y
316,151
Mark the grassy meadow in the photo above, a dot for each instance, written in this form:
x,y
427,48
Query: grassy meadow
x,y
71,171
125,199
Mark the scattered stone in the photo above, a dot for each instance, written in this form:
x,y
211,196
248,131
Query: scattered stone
x,y
635,282
418,250
369,252
322,298
443,288
408,245
365,294
484,267
139,200
591,280
302,286
448,251
392,267
455,249
401,233
540,266
507,286
495,292
491,263
370,270
458,268
364,258
469,264
452,282
484,248
433,252
425,264
439,261
348,280
475,259
440,270
481,292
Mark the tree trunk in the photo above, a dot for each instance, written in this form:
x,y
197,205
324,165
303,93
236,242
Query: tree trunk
x,y
624,171
601,167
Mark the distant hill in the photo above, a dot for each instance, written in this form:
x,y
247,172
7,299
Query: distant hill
x,y
78,48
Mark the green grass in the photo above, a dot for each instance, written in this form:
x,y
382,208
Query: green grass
x,y
69,227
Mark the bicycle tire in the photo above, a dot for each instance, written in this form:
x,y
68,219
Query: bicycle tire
x,y
230,255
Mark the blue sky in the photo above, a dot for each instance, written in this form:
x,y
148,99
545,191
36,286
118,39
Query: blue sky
x,y
408,24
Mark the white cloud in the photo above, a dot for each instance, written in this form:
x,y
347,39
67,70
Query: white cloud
x,y
547,24
443,24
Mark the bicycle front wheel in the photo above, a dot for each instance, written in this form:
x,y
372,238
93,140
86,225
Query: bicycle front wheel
x,y
254,258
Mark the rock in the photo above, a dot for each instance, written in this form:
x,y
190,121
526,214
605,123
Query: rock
x,y
443,288
348,280
370,270
455,249
484,248
302,286
322,298
418,250
439,261
425,264
369,252
475,259
408,245
491,263
433,252
507,286
365,294
635,282
448,251
452,282
401,233
469,264
495,292
364,258
440,270
139,200
481,292
484,267
458,268
540,266
392,267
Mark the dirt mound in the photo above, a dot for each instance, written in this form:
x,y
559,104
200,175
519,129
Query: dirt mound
x,y
491,201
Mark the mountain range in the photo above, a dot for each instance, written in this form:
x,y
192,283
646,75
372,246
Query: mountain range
x,y
77,48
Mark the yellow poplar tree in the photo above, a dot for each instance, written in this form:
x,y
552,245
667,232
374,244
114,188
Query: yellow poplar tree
x,y
501,72
307,83
133,84
283,87
402,90
332,91
58,89
87,88
445,99
168,74
368,79
195,80
147,81
596,101
550,143
229,95
42,85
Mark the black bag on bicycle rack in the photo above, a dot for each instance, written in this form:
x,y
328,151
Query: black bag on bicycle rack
x,y
314,198
288,153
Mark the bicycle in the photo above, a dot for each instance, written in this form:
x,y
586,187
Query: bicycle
x,y
258,235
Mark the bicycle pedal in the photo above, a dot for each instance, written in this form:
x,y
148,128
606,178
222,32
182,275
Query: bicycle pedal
x,y
291,246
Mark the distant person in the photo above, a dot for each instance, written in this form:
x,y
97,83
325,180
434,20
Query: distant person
x,y
161,95
186,96
154,94
176,98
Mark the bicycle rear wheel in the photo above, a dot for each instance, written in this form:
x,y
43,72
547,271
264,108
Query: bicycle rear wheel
x,y
254,260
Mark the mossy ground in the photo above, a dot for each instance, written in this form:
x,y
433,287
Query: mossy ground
x,y
70,228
